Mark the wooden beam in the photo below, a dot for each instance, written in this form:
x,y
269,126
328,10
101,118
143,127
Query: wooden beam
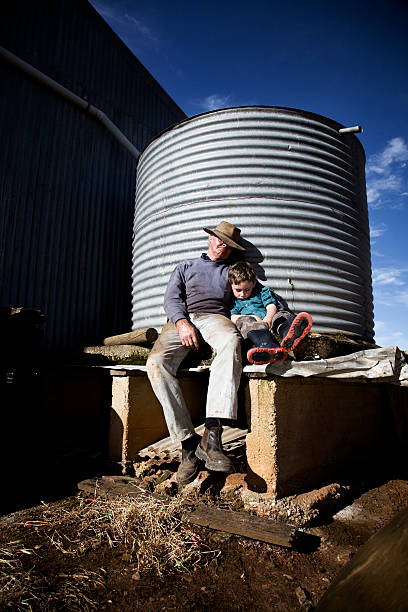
x,y
139,336
243,524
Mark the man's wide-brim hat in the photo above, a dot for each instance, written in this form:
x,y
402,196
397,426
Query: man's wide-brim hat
x,y
228,233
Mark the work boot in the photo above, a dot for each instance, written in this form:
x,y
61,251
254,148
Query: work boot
x,y
294,330
210,451
190,465
266,349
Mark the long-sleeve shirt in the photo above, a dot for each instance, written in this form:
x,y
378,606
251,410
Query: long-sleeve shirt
x,y
198,285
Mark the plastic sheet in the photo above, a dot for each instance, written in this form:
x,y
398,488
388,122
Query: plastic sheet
x,y
383,364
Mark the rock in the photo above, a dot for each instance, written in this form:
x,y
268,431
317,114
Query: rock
x,y
168,487
325,345
303,597
323,501
234,482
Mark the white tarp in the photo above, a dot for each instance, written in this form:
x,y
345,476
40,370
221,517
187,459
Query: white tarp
x,y
385,364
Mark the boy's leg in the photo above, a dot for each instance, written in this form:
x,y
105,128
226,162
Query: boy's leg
x,y
291,328
266,349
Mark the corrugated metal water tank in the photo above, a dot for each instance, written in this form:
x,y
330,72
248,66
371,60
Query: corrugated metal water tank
x,y
292,183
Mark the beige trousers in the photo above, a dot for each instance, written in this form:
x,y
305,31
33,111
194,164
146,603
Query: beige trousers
x,y
225,372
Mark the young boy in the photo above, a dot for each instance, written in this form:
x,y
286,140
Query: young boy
x,y
256,312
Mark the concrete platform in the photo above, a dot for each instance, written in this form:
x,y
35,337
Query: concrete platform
x,y
304,433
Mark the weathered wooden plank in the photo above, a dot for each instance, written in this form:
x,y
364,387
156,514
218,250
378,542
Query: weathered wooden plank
x,y
139,336
113,486
243,524
238,523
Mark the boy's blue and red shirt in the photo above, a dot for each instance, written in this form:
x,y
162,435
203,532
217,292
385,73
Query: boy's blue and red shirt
x,y
256,304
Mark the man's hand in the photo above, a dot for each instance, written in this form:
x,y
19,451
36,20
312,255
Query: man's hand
x,y
188,334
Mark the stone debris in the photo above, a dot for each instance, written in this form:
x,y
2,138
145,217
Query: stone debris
x,y
302,510
156,469
303,597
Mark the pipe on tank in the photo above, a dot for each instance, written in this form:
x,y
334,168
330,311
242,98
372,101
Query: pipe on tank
x,y
355,129
71,97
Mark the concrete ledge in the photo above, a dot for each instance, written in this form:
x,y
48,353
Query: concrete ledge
x,y
303,432
307,433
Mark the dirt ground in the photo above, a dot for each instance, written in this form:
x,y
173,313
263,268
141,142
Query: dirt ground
x,y
233,573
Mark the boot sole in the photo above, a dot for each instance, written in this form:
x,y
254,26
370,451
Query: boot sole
x,y
300,327
214,467
260,356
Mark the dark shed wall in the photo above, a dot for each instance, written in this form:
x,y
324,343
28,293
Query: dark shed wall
x,y
66,185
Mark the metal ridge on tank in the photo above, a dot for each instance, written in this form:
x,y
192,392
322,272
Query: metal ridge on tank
x,y
294,185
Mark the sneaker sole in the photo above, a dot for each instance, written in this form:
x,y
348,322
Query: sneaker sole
x,y
260,356
214,467
300,327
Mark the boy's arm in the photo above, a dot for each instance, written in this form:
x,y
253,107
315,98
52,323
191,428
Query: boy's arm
x,y
235,310
270,313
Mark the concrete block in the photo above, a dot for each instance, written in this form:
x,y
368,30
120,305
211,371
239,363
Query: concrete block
x,y
307,433
304,433
137,418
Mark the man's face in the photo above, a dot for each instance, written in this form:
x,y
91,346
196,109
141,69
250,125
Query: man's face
x,y
217,249
242,290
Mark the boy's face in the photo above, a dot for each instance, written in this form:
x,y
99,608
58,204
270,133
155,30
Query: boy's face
x,y
242,290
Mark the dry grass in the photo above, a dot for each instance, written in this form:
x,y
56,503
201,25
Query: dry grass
x,y
149,534
151,531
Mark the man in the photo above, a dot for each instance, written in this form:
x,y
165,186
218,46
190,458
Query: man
x,y
197,303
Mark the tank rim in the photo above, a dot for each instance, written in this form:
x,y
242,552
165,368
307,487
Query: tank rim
x,y
297,111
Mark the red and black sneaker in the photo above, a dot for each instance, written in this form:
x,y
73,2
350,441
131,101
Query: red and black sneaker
x,y
261,355
298,329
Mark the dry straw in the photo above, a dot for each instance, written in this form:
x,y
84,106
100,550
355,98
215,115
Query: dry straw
x,y
148,532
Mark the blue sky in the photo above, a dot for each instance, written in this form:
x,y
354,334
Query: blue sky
x,y
344,60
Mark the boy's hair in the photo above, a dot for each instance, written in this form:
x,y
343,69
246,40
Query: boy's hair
x,y
241,271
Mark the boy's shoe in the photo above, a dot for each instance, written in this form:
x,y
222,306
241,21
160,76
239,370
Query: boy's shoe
x,y
295,330
260,356
266,349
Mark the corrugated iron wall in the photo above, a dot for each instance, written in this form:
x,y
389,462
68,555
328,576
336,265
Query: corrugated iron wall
x,y
289,180
66,185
